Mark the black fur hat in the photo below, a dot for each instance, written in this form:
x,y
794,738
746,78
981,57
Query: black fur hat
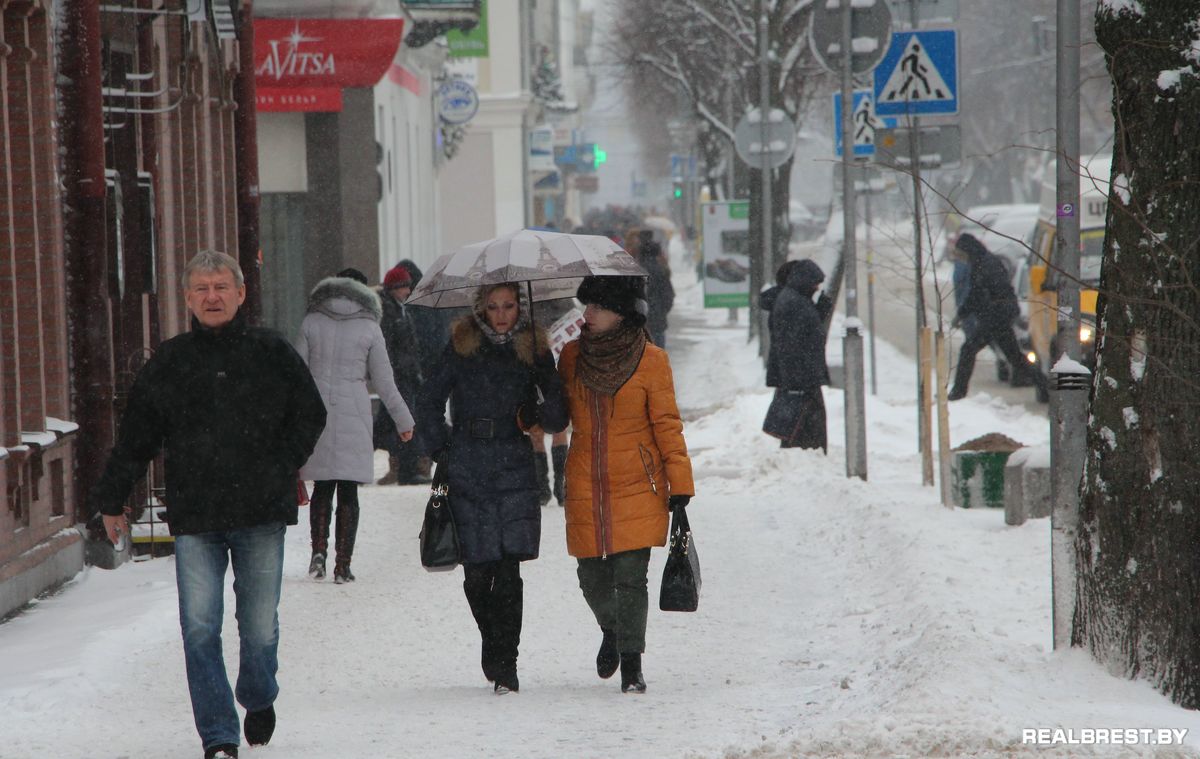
x,y
970,245
621,295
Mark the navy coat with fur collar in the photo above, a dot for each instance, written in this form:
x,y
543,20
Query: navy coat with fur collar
x,y
493,484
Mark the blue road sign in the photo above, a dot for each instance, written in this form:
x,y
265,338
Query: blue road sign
x,y
866,121
919,74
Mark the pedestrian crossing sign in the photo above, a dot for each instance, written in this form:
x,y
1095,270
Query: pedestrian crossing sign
x,y
919,74
865,122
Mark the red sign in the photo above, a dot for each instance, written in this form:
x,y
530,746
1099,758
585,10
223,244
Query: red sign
x,y
324,52
299,99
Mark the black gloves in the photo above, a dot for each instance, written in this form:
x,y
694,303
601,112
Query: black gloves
x,y
676,501
530,415
439,456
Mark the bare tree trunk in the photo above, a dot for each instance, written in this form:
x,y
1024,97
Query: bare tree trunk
x,y
1137,556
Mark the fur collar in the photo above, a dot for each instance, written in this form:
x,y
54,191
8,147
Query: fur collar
x,y
344,287
467,339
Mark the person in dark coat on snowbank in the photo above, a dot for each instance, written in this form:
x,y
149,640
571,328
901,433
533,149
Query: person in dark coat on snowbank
x,y
796,360
343,346
498,374
992,303
235,413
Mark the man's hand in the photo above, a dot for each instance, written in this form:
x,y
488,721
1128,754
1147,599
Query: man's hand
x,y
406,436
677,501
117,528
439,456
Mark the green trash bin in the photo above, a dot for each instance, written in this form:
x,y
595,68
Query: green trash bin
x,y
977,471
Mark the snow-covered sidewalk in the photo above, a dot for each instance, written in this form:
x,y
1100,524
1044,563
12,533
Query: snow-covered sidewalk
x,y
837,618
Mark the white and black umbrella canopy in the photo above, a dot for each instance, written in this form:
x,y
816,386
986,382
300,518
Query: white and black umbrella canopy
x,y
552,263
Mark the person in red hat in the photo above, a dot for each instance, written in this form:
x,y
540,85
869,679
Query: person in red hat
x,y
400,336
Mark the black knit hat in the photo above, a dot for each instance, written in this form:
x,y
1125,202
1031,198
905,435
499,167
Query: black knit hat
x,y
354,274
625,296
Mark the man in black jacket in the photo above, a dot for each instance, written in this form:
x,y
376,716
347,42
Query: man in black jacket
x,y
404,354
991,305
235,412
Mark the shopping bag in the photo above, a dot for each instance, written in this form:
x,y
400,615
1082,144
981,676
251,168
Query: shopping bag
x,y
680,589
440,551
301,493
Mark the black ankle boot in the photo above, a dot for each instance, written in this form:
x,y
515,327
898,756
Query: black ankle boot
x,y
631,674
259,726
558,455
608,658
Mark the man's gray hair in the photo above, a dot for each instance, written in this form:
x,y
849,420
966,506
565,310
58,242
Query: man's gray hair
x,y
212,261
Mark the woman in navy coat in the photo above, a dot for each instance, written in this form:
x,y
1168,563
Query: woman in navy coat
x,y
499,377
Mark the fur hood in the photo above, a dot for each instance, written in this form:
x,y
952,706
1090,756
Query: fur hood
x,y
362,301
467,338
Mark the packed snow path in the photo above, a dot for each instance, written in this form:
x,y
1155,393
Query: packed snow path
x,y
837,618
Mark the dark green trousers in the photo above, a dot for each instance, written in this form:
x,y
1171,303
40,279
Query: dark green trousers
x,y
615,588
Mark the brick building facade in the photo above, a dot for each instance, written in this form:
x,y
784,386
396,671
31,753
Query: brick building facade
x,y
121,155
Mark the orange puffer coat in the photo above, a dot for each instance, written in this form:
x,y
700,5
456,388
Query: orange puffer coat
x,y
627,456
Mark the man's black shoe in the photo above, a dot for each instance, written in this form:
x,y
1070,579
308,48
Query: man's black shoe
x,y
259,726
224,751
956,395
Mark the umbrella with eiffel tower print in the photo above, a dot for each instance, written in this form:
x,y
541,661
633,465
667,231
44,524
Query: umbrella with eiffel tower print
x,y
550,264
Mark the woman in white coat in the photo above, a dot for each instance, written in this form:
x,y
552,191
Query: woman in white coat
x,y
342,344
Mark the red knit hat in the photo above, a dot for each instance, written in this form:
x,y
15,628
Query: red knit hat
x,y
397,276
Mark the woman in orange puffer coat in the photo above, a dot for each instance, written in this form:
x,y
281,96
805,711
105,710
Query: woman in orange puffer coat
x,y
627,468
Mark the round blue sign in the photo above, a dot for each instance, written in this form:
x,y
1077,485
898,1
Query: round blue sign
x,y
457,101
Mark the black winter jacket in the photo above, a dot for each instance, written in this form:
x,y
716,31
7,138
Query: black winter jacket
x,y
660,293
235,412
404,353
493,487
990,297
796,359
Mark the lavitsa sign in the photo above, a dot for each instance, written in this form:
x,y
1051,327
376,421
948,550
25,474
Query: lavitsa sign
x,y
324,52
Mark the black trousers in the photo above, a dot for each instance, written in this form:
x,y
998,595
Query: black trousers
x,y
495,592
1001,336
320,509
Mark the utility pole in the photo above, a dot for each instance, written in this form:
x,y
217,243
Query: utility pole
x,y
764,113
852,343
1068,401
924,426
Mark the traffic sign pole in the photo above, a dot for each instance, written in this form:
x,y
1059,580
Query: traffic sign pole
x,y
852,343
764,110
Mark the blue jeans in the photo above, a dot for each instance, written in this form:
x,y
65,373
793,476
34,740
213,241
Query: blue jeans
x,y
200,563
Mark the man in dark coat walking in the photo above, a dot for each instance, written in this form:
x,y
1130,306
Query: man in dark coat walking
x,y
235,412
991,306
398,324
796,361
660,293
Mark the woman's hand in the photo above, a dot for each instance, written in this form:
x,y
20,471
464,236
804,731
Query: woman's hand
x,y
406,436
677,501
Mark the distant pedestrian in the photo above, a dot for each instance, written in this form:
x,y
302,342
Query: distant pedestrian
x,y
342,344
660,293
545,314
628,466
796,360
235,413
991,303
398,324
498,375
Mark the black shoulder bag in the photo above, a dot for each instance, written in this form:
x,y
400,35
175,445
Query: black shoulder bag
x,y
440,551
681,577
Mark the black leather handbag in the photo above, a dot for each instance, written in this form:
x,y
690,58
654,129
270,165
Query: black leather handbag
x,y
680,589
440,551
